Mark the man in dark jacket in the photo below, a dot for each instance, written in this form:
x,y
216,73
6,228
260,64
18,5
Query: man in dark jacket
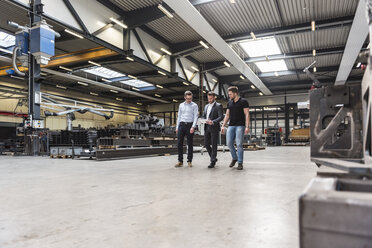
x,y
213,114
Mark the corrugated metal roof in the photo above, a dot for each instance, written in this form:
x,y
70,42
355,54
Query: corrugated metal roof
x,y
130,68
280,78
326,38
11,12
175,30
207,55
321,61
75,45
128,5
295,11
243,16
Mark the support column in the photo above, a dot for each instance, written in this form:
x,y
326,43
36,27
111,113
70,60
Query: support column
x,y
126,39
286,112
263,121
36,8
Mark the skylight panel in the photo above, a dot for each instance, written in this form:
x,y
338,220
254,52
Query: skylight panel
x,y
261,47
136,83
6,40
274,65
103,72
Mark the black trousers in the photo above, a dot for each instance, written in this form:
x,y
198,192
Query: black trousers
x,y
184,130
210,143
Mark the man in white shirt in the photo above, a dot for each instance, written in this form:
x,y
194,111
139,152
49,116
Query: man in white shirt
x,y
186,124
213,113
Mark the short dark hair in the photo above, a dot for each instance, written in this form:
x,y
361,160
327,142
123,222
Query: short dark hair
x,y
233,89
211,93
188,93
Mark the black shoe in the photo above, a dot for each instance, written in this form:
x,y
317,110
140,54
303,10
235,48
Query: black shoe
x,y
211,165
240,166
232,164
216,159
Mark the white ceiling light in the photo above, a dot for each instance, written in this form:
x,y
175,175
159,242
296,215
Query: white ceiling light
x,y
314,52
65,68
162,73
252,86
261,47
114,91
203,44
165,11
159,86
253,36
61,87
132,76
312,25
242,77
74,34
314,70
276,74
157,95
139,103
214,80
358,65
274,65
106,80
93,94
227,64
261,94
194,68
134,88
185,83
129,58
93,63
166,51
81,83
119,99
174,100
121,24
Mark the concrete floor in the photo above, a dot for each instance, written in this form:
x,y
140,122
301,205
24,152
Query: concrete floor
x,y
146,202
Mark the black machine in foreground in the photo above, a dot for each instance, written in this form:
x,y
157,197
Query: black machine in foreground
x,y
336,207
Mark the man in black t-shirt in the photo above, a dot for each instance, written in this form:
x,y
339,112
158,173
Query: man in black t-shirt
x,y
238,114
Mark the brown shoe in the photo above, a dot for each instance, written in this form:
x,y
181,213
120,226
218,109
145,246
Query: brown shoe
x,y
178,165
232,164
190,164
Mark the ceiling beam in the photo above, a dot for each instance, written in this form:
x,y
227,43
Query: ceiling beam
x,y
357,36
234,78
213,66
184,49
194,19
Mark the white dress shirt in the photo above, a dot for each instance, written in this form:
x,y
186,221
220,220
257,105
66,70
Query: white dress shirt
x,y
209,108
187,112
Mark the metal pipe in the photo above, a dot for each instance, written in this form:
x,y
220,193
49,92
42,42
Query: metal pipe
x,y
14,62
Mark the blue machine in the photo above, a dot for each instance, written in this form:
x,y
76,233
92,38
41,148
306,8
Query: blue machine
x,y
42,42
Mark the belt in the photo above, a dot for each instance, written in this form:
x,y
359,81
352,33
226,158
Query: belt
x,y
185,123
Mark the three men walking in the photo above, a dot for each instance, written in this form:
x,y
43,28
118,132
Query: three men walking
x,y
237,114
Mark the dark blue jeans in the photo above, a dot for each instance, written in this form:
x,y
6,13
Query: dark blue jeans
x,y
236,134
184,130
